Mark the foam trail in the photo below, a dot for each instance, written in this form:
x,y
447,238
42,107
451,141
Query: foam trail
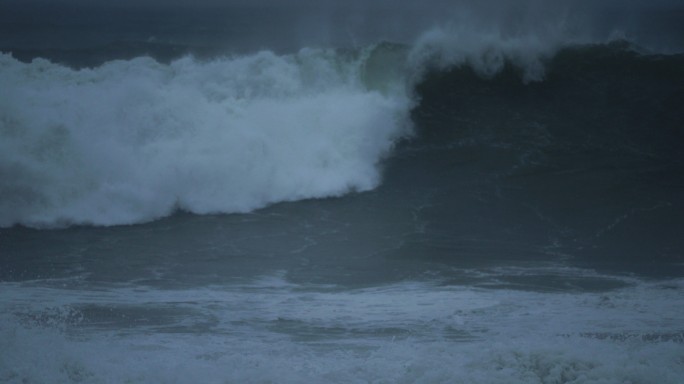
x,y
132,141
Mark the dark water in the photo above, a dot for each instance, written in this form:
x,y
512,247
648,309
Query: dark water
x,y
589,159
454,206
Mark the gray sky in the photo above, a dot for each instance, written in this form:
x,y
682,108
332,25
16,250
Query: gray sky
x,y
321,21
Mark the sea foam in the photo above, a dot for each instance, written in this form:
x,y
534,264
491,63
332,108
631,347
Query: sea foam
x,y
131,141
273,331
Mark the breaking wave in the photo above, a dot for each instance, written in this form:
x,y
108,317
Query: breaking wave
x,y
131,141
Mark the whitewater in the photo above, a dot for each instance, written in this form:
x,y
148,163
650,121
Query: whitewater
x,y
132,141
269,330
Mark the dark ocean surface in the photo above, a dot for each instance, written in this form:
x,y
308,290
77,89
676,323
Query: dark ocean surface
x,y
326,193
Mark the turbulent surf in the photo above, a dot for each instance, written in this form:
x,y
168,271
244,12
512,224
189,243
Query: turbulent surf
x,y
360,192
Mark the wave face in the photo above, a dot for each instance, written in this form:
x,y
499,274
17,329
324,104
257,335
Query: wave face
x,y
606,97
131,141
590,156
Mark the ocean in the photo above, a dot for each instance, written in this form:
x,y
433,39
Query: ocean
x,y
328,192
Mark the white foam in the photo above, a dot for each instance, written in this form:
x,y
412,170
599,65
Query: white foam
x,y
412,333
131,141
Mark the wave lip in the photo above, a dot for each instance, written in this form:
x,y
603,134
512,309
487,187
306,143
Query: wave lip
x,y
487,53
132,141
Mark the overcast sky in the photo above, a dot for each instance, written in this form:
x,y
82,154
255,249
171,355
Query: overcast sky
x,y
377,19
344,3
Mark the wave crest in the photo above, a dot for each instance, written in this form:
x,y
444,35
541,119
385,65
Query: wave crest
x,y
487,52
